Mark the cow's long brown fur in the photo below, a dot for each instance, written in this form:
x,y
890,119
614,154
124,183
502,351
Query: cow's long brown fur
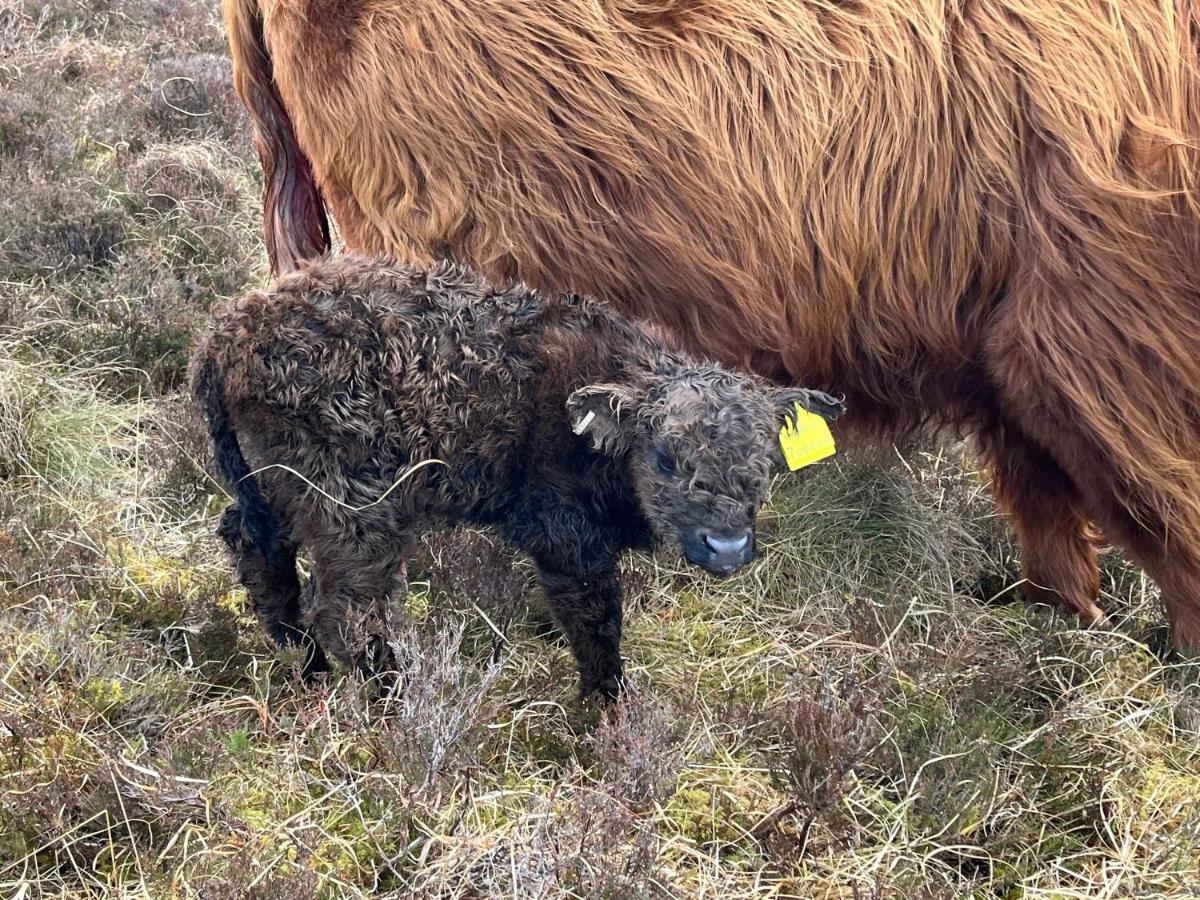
x,y
981,212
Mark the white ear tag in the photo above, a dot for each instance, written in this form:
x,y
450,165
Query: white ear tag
x,y
582,425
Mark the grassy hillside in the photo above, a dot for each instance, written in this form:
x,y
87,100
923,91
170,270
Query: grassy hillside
x,y
867,711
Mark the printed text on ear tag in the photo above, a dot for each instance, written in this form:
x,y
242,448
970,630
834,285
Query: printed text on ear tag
x,y
805,439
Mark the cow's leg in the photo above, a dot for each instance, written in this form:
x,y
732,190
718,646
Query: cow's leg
x,y
1169,558
1115,401
1153,529
274,590
1058,557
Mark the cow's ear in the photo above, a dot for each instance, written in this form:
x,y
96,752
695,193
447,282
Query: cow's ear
x,y
604,415
824,405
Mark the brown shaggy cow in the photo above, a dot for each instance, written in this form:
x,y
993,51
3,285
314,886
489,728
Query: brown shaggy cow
x,y
981,213
345,374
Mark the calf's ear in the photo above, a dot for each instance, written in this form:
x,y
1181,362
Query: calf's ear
x,y
603,413
824,405
817,402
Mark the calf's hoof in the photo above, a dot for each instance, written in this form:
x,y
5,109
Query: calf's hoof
x,y
316,663
605,690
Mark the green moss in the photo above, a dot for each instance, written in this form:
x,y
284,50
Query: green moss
x,y
1165,800
257,805
417,601
721,807
694,813
105,695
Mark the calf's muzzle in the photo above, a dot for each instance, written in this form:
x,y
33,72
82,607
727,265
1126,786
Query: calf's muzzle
x,y
720,551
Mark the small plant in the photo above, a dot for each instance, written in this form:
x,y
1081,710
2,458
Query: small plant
x,y
239,741
635,747
473,567
432,724
825,732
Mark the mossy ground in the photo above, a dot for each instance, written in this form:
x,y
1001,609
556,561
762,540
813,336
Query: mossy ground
x,y
867,711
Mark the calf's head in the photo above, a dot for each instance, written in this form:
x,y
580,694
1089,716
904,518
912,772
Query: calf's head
x,y
700,442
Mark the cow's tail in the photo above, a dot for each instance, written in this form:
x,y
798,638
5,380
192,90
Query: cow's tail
x,y
259,522
294,220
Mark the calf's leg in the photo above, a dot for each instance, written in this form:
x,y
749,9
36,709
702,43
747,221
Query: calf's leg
x,y
576,558
274,590
588,610
350,613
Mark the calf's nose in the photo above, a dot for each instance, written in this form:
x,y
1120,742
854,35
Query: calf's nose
x,y
730,549
727,546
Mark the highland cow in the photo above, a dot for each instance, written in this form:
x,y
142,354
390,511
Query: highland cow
x,y
983,214
575,433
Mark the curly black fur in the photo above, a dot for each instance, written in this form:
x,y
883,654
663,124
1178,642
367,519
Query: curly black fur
x,y
575,433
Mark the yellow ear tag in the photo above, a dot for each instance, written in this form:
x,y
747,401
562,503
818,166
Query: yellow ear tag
x,y
805,439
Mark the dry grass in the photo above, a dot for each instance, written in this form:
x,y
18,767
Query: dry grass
x,y
867,711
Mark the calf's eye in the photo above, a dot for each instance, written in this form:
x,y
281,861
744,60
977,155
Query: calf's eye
x,y
666,465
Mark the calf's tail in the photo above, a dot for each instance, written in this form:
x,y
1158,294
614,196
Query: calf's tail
x,y
258,520
251,529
